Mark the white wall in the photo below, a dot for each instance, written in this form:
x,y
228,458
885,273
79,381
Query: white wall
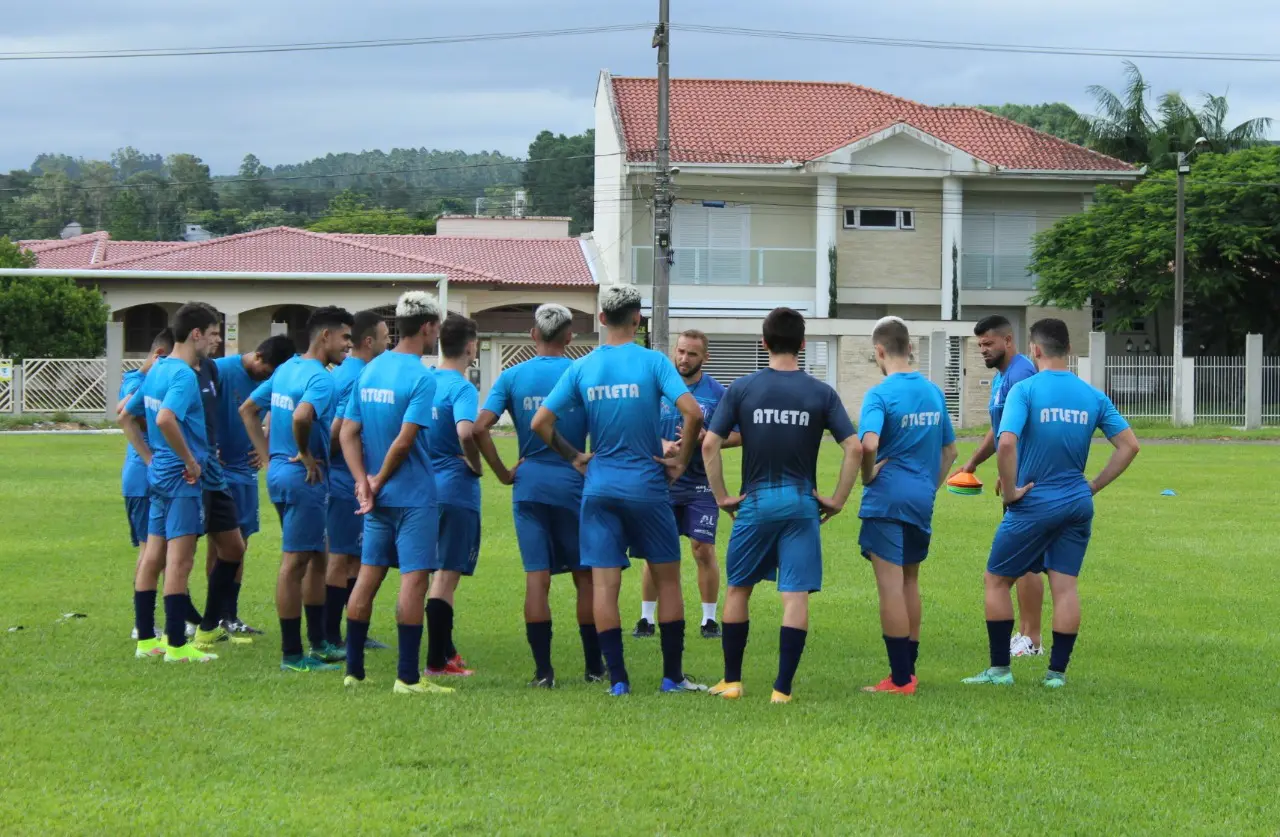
x,y
611,210
477,227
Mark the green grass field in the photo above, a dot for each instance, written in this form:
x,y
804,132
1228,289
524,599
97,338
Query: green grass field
x,y
1167,725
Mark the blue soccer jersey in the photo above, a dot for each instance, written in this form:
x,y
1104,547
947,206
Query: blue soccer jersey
x,y
233,440
213,478
1020,368
909,414
456,400
133,476
171,385
298,381
393,390
621,389
693,482
543,476
1054,415
344,382
782,417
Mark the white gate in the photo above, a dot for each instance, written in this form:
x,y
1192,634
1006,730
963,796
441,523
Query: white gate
x,y
509,354
728,359
53,385
953,377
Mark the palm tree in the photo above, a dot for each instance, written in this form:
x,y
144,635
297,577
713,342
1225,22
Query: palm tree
x,y
1182,125
1123,127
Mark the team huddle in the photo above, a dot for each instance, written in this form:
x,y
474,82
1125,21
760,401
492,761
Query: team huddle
x,y
377,464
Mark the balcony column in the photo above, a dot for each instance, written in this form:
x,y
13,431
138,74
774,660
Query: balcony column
x,y
952,246
827,222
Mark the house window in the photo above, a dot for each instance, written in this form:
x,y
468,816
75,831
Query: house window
x,y
141,325
879,218
711,245
997,251
1137,324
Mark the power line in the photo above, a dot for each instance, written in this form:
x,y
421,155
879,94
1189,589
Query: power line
x,y
253,49
968,46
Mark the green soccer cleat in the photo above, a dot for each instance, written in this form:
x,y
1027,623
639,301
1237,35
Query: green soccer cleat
x,y
422,687
327,652
207,639
148,648
188,654
991,677
305,663
1054,680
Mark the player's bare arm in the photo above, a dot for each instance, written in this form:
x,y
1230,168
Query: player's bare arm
x,y
870,447
854,458
167,424
949,454
303,417
544,424
484,440
134,432
335,438
1126,450
470,450
984,452
714,465
252,418
1007,460
352,450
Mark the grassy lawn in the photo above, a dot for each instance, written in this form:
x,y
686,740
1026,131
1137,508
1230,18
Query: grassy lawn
x,y
1166,726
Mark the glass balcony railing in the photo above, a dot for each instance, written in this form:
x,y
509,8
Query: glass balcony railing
x,y
778,267
987,272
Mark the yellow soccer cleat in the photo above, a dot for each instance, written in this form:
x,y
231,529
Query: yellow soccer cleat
x,y
150,648
207,639
350,682
728,691
422,687
188,654
779,697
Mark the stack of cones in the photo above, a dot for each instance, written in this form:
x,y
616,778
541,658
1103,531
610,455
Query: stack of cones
x,y
965,483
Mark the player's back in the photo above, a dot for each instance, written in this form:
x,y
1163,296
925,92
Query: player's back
x,y
621,389
455,400
345,375
133,475
543,476
234,387
394,389
909,414
171,384
1019,369
782,417
1055,414
296,381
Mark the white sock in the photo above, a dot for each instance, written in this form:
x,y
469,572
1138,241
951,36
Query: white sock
x,y
649,612
708,612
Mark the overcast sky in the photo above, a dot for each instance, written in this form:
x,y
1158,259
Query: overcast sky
x,y
289,107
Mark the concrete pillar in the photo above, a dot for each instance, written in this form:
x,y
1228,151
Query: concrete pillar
x,y
827,223
938,350
1187,398
1253,382
952,245
1097,361
231,334
283,328
115,368
17,389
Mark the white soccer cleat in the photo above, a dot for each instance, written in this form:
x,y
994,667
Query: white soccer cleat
x,y
1030,650
1019,645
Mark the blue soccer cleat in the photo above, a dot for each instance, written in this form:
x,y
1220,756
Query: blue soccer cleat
x,y
670,686
620,689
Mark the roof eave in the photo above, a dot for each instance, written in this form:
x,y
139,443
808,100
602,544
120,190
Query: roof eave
x,y
1074,174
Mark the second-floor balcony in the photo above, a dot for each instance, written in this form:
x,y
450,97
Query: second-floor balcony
x,y
776,267
988,272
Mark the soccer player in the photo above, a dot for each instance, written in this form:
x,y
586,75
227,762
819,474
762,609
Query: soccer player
x,y
133,475
175,450
547,493
369,338
302,399
238,375
908,444
1045,434
1000,352
624,498
455,461
691,498
384,440
783,414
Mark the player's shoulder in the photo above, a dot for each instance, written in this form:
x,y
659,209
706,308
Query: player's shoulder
x,y
1020,369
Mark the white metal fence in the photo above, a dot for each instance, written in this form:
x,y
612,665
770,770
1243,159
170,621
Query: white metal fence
x,y
66,385
1140,387
1271,390
6,385
953,378
1219,390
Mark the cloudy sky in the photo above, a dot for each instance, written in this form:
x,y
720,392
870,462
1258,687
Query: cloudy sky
x,y
288,107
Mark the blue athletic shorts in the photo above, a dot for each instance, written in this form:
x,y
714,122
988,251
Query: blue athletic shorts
x,y
893,540
302,507
138,510
786,551
612,526
1052,539
246,498
457,541
696,519
345,527
404,538
548,537
175,517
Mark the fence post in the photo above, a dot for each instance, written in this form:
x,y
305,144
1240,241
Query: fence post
x,y
1097,360
15,390
115,368
1186,398
1253,382
939,347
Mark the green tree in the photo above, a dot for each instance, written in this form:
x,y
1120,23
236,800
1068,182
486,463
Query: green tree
x,y
192,185
1122,250
351,212
1056,118
41,316
129,217
559,177
252,193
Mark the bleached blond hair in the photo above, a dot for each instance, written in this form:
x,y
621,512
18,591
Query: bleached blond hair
x,y
617,297
551,320
418,304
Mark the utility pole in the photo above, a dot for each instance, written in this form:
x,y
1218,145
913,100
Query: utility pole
x,y
660,315
1179,258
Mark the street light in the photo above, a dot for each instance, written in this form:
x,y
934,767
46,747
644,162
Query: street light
x,y
1179,266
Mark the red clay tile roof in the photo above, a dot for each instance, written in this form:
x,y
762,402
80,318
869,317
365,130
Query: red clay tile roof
x,y
287,250
722,121
526,261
